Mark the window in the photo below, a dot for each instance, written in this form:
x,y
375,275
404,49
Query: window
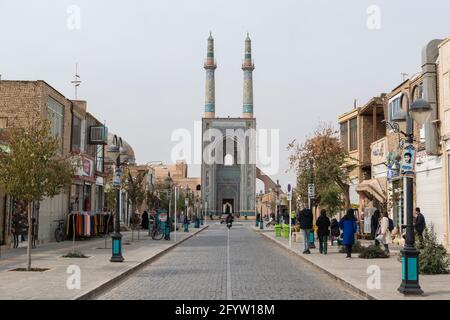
x,y
418,92
395,107
344,135
76,133
99,158
353,123
56,116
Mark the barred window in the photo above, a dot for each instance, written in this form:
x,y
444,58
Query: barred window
x,y
56,117
353,134
344,135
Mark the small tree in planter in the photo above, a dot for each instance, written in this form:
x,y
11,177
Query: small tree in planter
x,y
32,169
433,256
373,252
356,248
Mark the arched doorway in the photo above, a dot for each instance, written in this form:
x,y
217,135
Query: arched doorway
x,y
227,206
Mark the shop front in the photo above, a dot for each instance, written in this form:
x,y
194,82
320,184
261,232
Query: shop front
x,y
429,192
87,218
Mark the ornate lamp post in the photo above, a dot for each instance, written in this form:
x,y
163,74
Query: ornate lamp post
x,y
419,111
117,153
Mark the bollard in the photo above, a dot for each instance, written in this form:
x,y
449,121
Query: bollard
x,y
286,231
311,239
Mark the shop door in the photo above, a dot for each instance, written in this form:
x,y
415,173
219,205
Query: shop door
x,y
429,199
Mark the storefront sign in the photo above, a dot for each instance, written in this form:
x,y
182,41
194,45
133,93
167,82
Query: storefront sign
x,y
100,181
311,191
117,178
378,151
83,166
163,217
408,161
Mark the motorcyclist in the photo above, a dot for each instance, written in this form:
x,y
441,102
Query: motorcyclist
x,y
229,220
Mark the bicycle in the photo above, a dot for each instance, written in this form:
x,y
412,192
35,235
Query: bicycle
x,y
60,235
157,233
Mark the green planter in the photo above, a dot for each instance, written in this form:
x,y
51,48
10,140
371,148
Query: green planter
x,y
277,230
286,231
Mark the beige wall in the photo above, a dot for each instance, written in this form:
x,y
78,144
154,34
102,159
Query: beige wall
x,y
444,116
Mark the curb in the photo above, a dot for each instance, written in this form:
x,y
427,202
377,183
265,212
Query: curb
x,y
121,277
339,280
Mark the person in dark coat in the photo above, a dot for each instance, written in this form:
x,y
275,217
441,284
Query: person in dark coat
x,y
374,222
305,218
419,224
323,230
145,221
349,227
335,230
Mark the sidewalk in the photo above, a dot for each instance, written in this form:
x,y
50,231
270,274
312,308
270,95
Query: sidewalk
x,y
96,271
353,272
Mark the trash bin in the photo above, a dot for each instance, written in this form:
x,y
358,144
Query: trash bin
x,y
286,231
277,230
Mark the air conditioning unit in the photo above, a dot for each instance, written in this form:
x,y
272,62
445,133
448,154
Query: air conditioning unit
x,y
98,135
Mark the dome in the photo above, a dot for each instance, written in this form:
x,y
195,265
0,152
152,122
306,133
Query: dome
x,y
129,150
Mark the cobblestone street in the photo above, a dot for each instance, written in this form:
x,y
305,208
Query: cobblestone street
x,y
205,267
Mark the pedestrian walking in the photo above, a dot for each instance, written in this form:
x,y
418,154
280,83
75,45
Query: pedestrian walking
x,y
145,220
375,221
323,231
335,230
419,225
384,232
349,227
305,219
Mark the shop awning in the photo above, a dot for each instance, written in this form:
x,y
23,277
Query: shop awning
x,y
373,188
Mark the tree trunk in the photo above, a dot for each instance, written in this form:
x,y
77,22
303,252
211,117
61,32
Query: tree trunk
x,y
30,240
346,193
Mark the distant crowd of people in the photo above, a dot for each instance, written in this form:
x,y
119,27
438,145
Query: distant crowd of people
x,y
344,231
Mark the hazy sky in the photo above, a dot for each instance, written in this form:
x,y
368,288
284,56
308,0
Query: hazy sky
x,y
141,61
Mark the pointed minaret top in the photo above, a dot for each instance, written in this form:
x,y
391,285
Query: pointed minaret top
x,y
248,37
210,36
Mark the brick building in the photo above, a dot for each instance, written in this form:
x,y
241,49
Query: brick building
x,y
359,128
81,136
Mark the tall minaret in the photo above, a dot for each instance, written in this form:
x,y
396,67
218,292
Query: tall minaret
x,y
248,68
210,66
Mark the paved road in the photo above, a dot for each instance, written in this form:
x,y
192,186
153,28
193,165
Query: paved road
x,y
222,264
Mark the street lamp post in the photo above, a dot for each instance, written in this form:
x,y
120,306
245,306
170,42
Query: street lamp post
x,y
117,153
418,111
186,205
168,186
261,223
278,187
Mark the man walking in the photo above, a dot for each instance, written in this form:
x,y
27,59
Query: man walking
x,y
305,219
323,231
419,225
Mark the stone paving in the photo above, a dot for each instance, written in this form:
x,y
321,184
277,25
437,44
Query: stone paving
x,y
96,270
258,269
354,272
